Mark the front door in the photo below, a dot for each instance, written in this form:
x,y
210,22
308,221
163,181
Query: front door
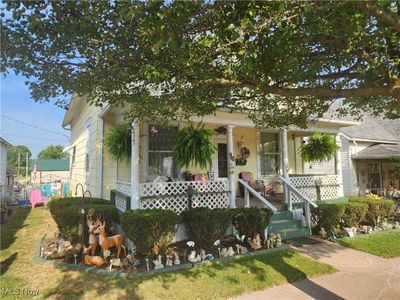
x,y
222,160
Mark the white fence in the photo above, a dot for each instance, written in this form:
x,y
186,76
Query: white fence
x,y
175,195
329,186
124,187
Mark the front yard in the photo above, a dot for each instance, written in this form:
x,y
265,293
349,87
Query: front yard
x,y
215,281
385,244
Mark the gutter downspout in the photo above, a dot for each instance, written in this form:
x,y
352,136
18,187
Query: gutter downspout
x,y
101,130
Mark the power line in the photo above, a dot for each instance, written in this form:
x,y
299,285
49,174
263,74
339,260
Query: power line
x,y
30,137
33,126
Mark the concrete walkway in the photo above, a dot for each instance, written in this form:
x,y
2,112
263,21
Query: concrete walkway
x,y
361,276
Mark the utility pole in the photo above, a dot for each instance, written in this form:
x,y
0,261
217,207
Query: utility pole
x,y
27,167
19,161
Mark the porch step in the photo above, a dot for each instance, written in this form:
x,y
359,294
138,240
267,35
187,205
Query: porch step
x,y
284,224
292,232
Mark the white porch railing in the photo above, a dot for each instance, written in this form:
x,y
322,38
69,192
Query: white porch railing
x,y
316,186
302,197
124,187
175,195
248,189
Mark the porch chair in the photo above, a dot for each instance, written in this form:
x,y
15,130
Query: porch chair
x,y
256,185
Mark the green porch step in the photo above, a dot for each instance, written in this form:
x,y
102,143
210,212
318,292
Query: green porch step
x,y
284,224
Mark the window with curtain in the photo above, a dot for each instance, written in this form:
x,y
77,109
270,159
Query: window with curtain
x,y
161,158
269,154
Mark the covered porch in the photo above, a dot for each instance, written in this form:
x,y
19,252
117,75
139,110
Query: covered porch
x,y
270,157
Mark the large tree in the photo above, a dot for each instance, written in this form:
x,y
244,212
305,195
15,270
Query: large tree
x,y
12,158
52,152
281,61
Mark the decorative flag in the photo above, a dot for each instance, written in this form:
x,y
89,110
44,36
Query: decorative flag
x,y
34,172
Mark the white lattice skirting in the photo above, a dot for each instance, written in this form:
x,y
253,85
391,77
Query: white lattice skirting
x,y
124,187
120,202
330,187
174,195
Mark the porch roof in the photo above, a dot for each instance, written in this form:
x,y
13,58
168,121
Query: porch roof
x,y
380,151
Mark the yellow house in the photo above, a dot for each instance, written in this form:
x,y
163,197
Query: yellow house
x,y
152,179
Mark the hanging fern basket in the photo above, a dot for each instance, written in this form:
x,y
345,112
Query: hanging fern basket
x,y
194,146
320,147
118,143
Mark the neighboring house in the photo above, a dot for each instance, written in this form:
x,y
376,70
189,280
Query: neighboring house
x,y
49,170
4,179
272,152
369,153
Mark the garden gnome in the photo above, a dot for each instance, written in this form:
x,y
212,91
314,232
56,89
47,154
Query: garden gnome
x,y
168,262
230,252
158,263
177,261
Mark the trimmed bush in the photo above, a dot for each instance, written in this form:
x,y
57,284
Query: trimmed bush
x,y
251,221
354,213
204,225
376,208
152,230
66,214
328,216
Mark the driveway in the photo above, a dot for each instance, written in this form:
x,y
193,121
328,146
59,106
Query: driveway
x,y
361,276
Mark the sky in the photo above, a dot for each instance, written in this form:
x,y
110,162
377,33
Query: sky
x,y
16,103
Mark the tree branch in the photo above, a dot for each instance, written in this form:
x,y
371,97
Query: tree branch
x,y
393,91
383,15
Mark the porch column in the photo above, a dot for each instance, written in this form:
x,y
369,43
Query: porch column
x,y
231,165
338,162
285,165
135,165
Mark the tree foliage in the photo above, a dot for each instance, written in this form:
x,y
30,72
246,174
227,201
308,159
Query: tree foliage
x,y
52,152
12,157
283,60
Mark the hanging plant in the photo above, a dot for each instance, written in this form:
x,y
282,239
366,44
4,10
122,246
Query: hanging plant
x,y
194,145
118,143
319,148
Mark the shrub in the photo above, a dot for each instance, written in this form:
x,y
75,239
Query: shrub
x,y
251,221
354,213
152,230
204,225
328,216
376,208
66,214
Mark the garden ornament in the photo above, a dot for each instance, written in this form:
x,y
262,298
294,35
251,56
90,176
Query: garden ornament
x,y
243,250
158,263
238,249
147,264
108,242
203,254
168,262
190,243
278,240
255,243
230,252
192,256
177,261
223,252
91,260
217,243
210,257
115,262
93,240
396,225
240,238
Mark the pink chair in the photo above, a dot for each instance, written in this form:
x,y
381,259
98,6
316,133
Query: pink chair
x,y
36,198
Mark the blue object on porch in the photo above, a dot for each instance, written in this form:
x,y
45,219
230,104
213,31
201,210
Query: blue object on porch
x,y
23,202
46,189
54,192
66,189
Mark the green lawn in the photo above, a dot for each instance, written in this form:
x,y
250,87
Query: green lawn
x,y
385,244
215,281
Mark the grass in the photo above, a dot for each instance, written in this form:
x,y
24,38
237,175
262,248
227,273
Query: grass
x,y
214,281
385,244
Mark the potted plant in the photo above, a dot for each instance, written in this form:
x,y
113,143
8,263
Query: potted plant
x,y
320,147
118,143
194,145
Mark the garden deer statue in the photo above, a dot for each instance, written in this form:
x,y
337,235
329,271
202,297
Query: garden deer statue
x,y
108,242
93,240
91,260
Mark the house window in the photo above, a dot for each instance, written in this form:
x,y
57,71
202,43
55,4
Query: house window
x,y
269,154
161,158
